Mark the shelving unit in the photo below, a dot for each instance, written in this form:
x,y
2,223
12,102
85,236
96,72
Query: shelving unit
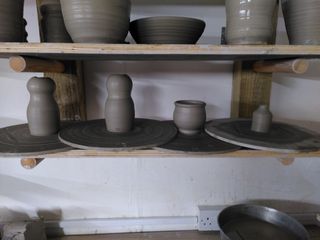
x,y
76,51
159,154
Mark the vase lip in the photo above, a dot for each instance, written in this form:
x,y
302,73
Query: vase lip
x,y
190,103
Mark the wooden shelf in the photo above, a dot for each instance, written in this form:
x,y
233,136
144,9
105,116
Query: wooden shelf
x,y
160,154
180,235
75,51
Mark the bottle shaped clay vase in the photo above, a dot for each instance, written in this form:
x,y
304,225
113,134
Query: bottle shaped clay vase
x,y
189,116
43,111
119,111
261,120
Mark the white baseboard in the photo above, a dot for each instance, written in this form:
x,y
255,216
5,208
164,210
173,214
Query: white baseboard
x,y
104,226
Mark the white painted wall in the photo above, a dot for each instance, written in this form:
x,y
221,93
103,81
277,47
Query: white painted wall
x,y
117,188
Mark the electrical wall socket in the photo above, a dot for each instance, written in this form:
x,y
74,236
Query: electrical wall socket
x,y
208,218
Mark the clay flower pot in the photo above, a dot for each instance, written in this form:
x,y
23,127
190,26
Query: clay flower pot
x,y
97,21
11,21
302,20
250,22
189,116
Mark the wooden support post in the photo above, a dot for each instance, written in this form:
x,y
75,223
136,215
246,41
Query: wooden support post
x,y
70,91
250,90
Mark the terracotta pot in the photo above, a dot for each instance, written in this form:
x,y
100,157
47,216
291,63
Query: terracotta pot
x,y
119,109
97,21
302,18
250,22
52,23
11,21
189,116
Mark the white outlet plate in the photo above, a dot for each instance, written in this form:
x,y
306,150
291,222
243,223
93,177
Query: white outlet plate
x,y
208,218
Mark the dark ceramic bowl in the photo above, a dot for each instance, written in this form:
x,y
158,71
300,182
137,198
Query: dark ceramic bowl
x,y
167,30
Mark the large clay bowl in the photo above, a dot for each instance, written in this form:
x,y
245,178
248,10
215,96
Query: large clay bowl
x,y
11,20
167,30
302,20
97,21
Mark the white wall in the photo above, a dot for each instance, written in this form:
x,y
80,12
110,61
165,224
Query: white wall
x,y
116,188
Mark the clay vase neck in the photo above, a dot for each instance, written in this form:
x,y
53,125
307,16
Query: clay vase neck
x,y
119,108
262,120
42,112
189,116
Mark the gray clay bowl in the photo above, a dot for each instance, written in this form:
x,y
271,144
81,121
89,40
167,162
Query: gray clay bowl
x,y
97,21
167,30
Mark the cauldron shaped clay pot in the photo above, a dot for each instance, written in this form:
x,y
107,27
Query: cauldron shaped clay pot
x,y
97,21
189,116
302,20
250,22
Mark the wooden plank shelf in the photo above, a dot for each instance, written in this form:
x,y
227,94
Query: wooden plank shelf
x,y
160,154
175,235
76,51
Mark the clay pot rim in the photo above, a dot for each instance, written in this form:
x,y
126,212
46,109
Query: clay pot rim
x,y
190,103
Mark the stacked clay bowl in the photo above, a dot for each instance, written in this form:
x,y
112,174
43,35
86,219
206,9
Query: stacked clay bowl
x,y
167,30
302,20
52,22
97,21
12,23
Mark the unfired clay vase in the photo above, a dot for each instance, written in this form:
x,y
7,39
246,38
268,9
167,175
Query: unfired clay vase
x,y
43,112
261,120
119,111
52,22
250,21
97,21
189,116
11,21
302,18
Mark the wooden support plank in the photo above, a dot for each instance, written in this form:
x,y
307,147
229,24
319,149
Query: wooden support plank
x,y
70,91
28,64
250,89
297,66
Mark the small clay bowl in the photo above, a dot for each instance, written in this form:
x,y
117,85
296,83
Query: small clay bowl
x,y
167,30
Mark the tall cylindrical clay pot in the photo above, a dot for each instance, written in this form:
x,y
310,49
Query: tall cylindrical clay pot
x,y
251,21
97,21
189,116
11,21
53,27
43,112
302,19
119,108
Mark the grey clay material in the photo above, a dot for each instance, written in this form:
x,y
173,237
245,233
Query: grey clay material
x,y
250,22
262,120
119,111
189,116
43,111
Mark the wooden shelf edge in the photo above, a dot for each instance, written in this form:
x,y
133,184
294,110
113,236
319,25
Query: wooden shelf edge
x,y
160,154
79,51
